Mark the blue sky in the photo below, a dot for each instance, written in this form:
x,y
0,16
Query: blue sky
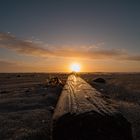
x,y
53,33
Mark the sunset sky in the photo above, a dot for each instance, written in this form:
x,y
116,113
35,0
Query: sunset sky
x,y
50,35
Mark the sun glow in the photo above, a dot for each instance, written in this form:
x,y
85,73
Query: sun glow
x,y
75,67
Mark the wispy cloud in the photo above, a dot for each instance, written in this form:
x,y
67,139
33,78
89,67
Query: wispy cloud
x,y
133,57
4,63
17,66
22,46
28,47
9,66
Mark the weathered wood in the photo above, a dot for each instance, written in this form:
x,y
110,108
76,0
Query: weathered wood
x,y
83,113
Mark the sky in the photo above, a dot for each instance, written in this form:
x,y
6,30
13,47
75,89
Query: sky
x,y
50,35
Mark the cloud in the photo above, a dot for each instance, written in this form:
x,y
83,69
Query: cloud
x,y
6,36
8,66
88,53
4,63
39,49
15,66
133,57
22,46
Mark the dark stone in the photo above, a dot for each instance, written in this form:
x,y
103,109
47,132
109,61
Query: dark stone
x,y
27,90
55,81
3,92
100,80
18,75
51,109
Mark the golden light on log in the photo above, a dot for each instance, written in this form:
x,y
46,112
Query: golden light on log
x,y
75,67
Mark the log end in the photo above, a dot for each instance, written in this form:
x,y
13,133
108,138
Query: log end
x,y
91,126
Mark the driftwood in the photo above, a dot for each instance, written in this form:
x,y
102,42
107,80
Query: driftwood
x,y
83,113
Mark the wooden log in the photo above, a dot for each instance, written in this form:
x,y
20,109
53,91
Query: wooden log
x,y
83,113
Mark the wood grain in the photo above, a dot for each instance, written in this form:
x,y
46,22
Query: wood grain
x,y
83,113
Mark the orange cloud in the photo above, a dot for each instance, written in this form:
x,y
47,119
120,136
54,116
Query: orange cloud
x,y
85,52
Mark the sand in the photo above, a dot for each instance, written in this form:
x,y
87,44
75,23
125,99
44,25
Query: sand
x,y
27,103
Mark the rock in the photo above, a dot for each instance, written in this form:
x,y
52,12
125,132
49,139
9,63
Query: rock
x,y
55,81
99,80
101,89
51,109
3,92
18,75
27,90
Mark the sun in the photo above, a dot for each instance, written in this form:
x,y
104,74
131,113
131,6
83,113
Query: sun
x,y
75,67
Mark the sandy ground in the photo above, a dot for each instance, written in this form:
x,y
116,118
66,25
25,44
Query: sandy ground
x,y
27,103
124,89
